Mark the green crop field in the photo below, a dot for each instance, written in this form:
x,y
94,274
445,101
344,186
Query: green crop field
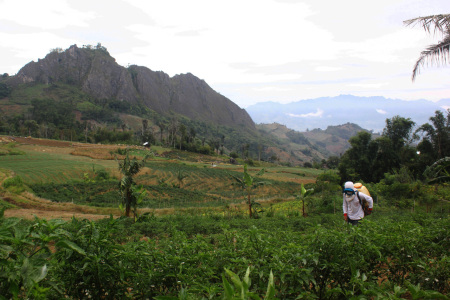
x,y
38,166
66,174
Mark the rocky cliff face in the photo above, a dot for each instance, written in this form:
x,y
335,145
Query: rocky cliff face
x,y
98,74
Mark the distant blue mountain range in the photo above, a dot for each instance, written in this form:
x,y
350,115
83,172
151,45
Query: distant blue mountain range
x,y
368,112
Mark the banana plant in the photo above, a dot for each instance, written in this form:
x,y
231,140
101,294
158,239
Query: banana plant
x,y
180,177
248,182
439,171
304,193
129,168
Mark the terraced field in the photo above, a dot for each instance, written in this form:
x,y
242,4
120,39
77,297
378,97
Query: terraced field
x,y
65,173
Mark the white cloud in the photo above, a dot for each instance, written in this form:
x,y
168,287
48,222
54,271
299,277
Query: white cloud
x,y
28,47
327,69
43,14
368,85
318,113
249,51
380,111
271,89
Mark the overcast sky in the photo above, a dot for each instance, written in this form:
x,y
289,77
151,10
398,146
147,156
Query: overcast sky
x,y
247,50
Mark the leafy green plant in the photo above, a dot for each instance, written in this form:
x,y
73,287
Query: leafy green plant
x,y
129,168
304,193
439,171
240,289
15,182
180,177
247,182
24,256
417,293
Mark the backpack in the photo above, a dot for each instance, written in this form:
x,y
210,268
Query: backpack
x,y
364,204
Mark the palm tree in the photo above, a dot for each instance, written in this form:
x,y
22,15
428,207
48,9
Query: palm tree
x,y
438,53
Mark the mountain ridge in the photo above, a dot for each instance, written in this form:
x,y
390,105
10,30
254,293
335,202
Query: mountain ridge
x,y
368,112
90,84
98,74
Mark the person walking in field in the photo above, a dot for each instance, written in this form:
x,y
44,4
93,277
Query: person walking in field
x,y
353,204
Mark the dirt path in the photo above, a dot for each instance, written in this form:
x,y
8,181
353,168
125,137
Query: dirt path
x,y
28,206
30,214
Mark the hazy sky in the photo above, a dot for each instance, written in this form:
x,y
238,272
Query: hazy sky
x,y
247,50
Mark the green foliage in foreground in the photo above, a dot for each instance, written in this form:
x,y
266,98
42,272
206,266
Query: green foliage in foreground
x,y
212,257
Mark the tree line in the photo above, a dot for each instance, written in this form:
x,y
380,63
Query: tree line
x,y
98,121
400,146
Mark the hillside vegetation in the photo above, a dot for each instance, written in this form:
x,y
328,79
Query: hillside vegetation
x,y
83,95
87,174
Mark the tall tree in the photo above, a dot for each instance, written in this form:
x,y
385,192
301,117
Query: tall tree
x,y
182,128
162,126
356,162
399,131
438,134
32,126
172,131
385,159
144,126
5,90
192,134
438,53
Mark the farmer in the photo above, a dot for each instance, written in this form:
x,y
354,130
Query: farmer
x,y
353,211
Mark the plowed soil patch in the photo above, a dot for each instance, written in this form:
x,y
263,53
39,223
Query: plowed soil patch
x,y
41,142
47,214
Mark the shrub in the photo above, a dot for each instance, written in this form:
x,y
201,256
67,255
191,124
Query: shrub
x,y
15,181
101,175
234,155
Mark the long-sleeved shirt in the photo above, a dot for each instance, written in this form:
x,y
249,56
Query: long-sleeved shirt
x,y
353,209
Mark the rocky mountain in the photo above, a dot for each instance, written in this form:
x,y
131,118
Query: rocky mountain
x,y
88,85
368,112
98,75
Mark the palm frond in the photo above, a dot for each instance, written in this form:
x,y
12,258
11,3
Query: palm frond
x,y
440,23
438,171
435,55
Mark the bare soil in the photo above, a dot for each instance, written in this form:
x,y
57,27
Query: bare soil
x,y
28,206
31,213
41,142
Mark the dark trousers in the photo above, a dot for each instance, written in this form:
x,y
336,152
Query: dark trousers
x,y
353,222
